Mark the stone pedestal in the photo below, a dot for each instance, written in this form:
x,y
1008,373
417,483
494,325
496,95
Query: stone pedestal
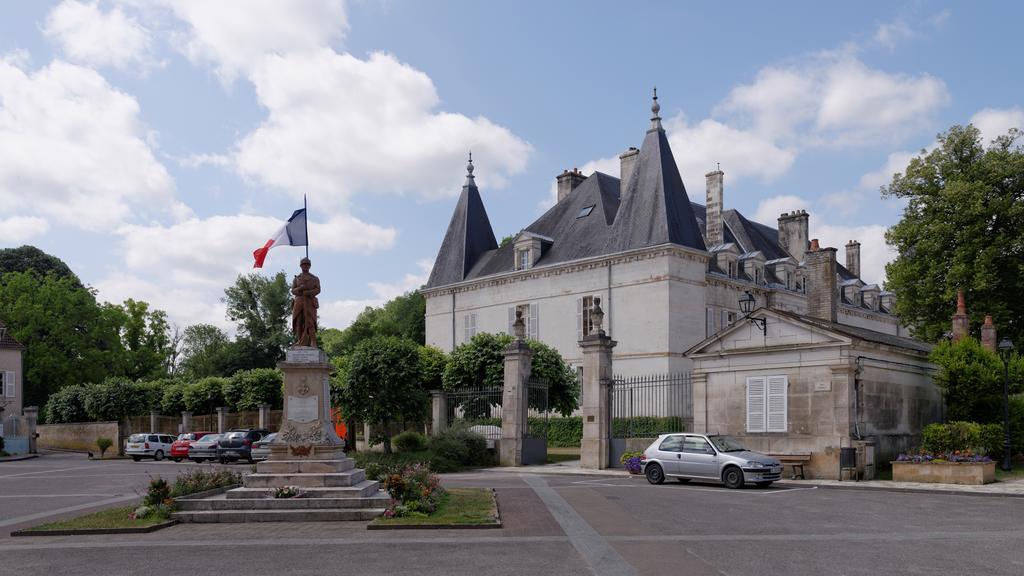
x,y
307,431
597,376
518,358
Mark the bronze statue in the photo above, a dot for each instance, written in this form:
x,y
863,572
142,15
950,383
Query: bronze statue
x,y
305,287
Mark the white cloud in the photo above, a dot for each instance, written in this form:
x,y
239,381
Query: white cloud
x,y
888,34
874,253
235,35
345,233
896,162
408,283
21,228
993,122
834,99
340,313
769,209
698,148
338,124
87,34
184,304
74,146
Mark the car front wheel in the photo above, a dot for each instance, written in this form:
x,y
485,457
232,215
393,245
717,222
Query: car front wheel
x,y
136,458
654,473
176,459
159,455
732,477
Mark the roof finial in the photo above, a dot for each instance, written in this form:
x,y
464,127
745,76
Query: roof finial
x,y
469,171
655,109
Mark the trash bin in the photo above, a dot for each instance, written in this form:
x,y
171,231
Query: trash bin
x,y
848,461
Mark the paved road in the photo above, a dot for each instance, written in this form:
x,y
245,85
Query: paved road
x,y
580,525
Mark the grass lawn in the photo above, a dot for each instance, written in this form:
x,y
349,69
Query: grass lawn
x,y
1016,474
104,519
460,507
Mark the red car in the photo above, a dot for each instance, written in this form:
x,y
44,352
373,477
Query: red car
x,y
179,449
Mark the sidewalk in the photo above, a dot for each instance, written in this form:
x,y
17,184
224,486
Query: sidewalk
x,y
1013,488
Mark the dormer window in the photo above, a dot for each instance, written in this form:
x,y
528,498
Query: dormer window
x,y
586,211
523,259
732,269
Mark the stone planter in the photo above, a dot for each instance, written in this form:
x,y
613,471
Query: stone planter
x,y
976,473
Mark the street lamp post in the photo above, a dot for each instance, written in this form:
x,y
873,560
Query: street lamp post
x,y
1005,350
747,306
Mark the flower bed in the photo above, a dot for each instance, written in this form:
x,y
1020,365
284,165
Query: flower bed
x,y
949,468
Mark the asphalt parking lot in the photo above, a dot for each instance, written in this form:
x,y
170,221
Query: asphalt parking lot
x,y
552,525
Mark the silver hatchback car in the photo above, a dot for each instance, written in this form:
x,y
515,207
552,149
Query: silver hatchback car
x,y
708,457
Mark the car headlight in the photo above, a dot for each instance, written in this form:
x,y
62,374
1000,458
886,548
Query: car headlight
x,y
756,464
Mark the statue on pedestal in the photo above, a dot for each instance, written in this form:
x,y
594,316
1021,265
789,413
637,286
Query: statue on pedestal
x,y
305,288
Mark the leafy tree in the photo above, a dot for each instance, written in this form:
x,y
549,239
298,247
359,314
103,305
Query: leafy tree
x,y
205,351
32,259
172,401
69,339
432,363
480,363
971,378
963,227
145,339
402,316
114,399
384,383
67,405
247,389
506,240
206,395
261,306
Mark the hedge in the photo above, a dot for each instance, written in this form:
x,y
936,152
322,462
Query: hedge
x,y
567,432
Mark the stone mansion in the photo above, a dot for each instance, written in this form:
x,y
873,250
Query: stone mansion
x,y
669,272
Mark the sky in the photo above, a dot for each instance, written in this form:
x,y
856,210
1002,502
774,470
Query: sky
x,y
154,144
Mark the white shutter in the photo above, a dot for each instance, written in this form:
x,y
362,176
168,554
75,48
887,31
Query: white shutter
x,y
725,319
534,322
709,322
9,384
776,397
465,329
472,325
511,320
579,319
755,404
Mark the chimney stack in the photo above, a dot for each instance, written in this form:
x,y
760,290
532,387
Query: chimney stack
x,y
988,333
793,233
627,165
961,323
713,221
853,257
822,297
567,181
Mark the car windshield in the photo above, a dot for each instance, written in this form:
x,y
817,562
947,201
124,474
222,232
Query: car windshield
x,y
210,438
137,438
269,439
186,436
726,444
236,435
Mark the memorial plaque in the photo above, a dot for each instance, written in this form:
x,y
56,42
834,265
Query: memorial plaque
x,y
823,386
303,409
304,355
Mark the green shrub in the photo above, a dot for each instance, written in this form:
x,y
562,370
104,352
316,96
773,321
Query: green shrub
x,y
158,492
645,426
461,446
205,395
173,400
103,444
564,432
247,389
410,441
67,405
378,465
991,442
196,481
951,437
414,491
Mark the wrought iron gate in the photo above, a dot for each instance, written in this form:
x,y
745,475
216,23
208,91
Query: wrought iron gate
x,y
641,408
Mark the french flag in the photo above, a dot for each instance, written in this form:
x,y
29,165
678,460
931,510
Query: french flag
x,y
293,233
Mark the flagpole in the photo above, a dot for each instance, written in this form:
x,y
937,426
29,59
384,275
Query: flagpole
x,y
306,223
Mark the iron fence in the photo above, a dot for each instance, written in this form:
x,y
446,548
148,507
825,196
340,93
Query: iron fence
x,y
646,406
476,409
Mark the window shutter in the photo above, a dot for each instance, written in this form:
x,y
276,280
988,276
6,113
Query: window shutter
x,y
755,404
709,322
534,322
511,320
725,318
9,384
465,328
472,325
579,319
776,396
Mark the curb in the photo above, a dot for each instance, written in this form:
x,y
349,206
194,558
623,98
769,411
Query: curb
x,y
88,531
18,458
942,491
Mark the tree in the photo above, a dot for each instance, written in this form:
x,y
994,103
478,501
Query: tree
x,y
247,389
971,378
204,351
963,227
32,259
402,316
384,383
480,363
206,395
114,399
432,363
261,306
145,339
67,405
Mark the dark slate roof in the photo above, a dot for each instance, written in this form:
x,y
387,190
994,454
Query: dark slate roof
x,y
8,341
861,333
468,238
655,209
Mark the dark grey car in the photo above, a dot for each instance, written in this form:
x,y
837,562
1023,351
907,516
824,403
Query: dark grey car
x,y
237,444
708,457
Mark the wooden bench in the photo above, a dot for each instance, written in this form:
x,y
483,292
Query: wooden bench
x,y
795,460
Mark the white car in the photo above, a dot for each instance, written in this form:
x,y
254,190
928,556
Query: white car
x,y
154,446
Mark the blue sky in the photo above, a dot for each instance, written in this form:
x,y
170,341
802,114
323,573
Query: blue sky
x,y
154,145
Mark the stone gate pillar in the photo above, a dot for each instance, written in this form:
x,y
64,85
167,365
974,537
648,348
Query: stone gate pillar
x,y
31,414
154,421
438,412
518,357
186,421
222,418
264,416
597,375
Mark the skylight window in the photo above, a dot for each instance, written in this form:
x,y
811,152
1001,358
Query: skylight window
x,y
586,211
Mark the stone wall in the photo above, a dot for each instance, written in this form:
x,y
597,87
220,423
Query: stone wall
x,y
78,436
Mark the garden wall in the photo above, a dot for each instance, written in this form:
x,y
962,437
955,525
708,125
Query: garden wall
x,y
79,436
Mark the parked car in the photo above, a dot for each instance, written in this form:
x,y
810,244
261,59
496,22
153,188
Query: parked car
x,y
204,448
261,448
151,445
179,449
708,457
237,444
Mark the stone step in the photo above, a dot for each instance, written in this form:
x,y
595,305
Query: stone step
x,y
364,489
379,500
305,480
309,515
305,466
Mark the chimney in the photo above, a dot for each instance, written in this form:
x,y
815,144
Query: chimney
x,y
820,281
988,333
793,233
627,165
961,323
853,257
713,221
567,181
